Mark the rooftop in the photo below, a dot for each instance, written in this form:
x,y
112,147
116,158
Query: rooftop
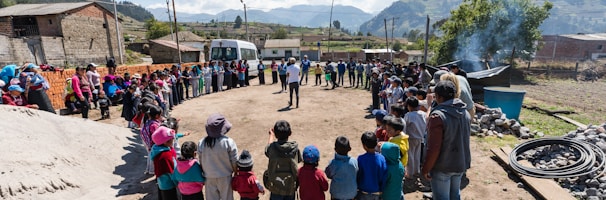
x,y
283,43
417,52
184,36
377,50
173,45
41,9
595,37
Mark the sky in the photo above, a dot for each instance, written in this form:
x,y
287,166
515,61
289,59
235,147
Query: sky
x,y
216,6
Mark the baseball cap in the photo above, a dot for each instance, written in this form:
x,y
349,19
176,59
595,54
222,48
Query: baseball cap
x,y
92,65
379,114
311,154
15,88
163,135
413,90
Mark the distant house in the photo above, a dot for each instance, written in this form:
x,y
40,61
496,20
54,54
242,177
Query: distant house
x,y
187,38
163,51
575,47
58,34
417,55
284,48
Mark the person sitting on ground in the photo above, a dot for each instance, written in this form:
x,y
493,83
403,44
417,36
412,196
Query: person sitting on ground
x,y
112,90
312,181
15,97
245,182
342,170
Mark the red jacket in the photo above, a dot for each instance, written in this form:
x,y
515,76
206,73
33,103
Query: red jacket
x,y
312,183
8,99
245,183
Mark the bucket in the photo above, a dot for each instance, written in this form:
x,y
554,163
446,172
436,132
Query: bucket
x,y
508,99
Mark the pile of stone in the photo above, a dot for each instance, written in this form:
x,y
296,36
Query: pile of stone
x,y
493,122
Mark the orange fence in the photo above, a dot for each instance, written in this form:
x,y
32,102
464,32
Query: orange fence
x,y
57,79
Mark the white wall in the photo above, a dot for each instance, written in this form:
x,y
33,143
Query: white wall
x,y
280,52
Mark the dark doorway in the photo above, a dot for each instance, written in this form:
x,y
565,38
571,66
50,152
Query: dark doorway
x,y
25,26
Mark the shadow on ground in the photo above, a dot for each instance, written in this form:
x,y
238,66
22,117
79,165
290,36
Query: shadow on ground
x,y
134,181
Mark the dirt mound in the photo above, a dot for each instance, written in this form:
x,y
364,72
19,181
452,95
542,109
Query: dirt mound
x,y
46,156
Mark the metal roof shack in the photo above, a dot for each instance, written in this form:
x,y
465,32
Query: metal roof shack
x,y
283,43
163,51
594,37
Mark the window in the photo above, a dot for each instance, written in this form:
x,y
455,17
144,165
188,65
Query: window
x,y
249,54
275,52
600,47
224,53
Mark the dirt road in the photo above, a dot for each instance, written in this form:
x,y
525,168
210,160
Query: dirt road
x,y
323,115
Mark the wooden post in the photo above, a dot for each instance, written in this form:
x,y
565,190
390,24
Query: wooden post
x,y
528,66
548,72
576,71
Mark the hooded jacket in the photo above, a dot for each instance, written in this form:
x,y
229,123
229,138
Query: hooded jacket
x,y
164,164
395,172
342,170
190,177
283,149
218,161
448,138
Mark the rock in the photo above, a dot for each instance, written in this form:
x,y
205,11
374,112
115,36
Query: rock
x,y
602,135
475,128
485,119
520,185
500,135
561,163
602,179
592,192
571,134
602,145
540,134
593,198
490,133
497,115
516,126
525,130
603,185
484,131
601,130
499,122
590,132
593,183
524,135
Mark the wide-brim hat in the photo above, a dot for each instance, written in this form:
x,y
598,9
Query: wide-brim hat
x,y
217,125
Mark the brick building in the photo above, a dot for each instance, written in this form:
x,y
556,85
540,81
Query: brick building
x,y
163,51
575,47
61,34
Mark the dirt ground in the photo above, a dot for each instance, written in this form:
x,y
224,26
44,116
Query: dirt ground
x,y
323,115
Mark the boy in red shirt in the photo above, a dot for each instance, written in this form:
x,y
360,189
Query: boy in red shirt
x,y
312,181
246,183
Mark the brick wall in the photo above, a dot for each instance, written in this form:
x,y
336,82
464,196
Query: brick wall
x,y
568,49
6,27
49,25
57,79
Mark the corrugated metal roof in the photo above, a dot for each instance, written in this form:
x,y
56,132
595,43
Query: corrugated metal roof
x,y
185,36
595,37
173,45
377,50
283,43
40,9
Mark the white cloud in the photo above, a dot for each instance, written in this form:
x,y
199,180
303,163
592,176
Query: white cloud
x,y
216,6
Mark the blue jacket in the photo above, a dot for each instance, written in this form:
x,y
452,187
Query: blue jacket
x,y
372,173
342,170
282,69
395,172
166,181
305,64
341,67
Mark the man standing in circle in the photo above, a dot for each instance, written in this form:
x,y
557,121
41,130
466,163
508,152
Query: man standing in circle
x,y
305,64
292,73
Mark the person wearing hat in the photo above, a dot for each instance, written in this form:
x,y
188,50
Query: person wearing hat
x,y
245,182
95,80
15,97
35,86
305,65
9,72
164,158
218,155
312,181
380,131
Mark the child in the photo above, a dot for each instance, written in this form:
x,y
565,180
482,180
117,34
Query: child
x,y
104,104
395,92
164,157
154,119
129,101
312,181
318,73
395,172
189,173
280,178
342,170
218,155
173,123
416,127
246,183
421,96
375,88
373,169
380,132
395,130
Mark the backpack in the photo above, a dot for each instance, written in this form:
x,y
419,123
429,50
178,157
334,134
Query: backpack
x,y
111,62
281,175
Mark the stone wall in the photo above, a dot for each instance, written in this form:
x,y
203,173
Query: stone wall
x,y
6,27
6,55
53,50
21,51
57,79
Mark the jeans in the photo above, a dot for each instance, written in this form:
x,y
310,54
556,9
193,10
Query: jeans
x,y
359,81
283,82
362,196
261,77
341,79
274,77
294,86
446,185
352,77
319,78
281,197
304,73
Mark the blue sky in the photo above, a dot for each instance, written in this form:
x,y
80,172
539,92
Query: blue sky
x,y
215,6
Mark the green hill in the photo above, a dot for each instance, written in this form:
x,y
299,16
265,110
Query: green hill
x,y
125,7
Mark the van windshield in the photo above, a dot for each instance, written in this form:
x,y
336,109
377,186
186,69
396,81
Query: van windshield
x,y
224,53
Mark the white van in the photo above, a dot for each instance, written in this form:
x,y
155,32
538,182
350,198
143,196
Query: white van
x,y
235,50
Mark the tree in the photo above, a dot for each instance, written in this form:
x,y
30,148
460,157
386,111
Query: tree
x,y
238,22
336,24
7,3
413,35
490,29
397,46
156,29
368,33
360,33
281,33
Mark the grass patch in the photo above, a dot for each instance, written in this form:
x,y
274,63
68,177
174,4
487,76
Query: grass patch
x,y
544,123
493,141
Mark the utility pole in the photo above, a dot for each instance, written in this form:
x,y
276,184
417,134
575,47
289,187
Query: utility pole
x,y
176,31
386,37
393,27
426,40
245,20
170,20
118,33
330,25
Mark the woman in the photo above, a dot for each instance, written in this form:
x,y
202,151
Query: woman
x,y
194,80
234,74
241,74
112,90
35,86
228,74
95,80
83,90
274,72
129,103
246,82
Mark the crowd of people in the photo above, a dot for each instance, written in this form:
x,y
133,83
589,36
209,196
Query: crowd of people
x,y
25,86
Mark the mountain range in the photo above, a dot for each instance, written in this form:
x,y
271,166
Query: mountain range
x,y
301,15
